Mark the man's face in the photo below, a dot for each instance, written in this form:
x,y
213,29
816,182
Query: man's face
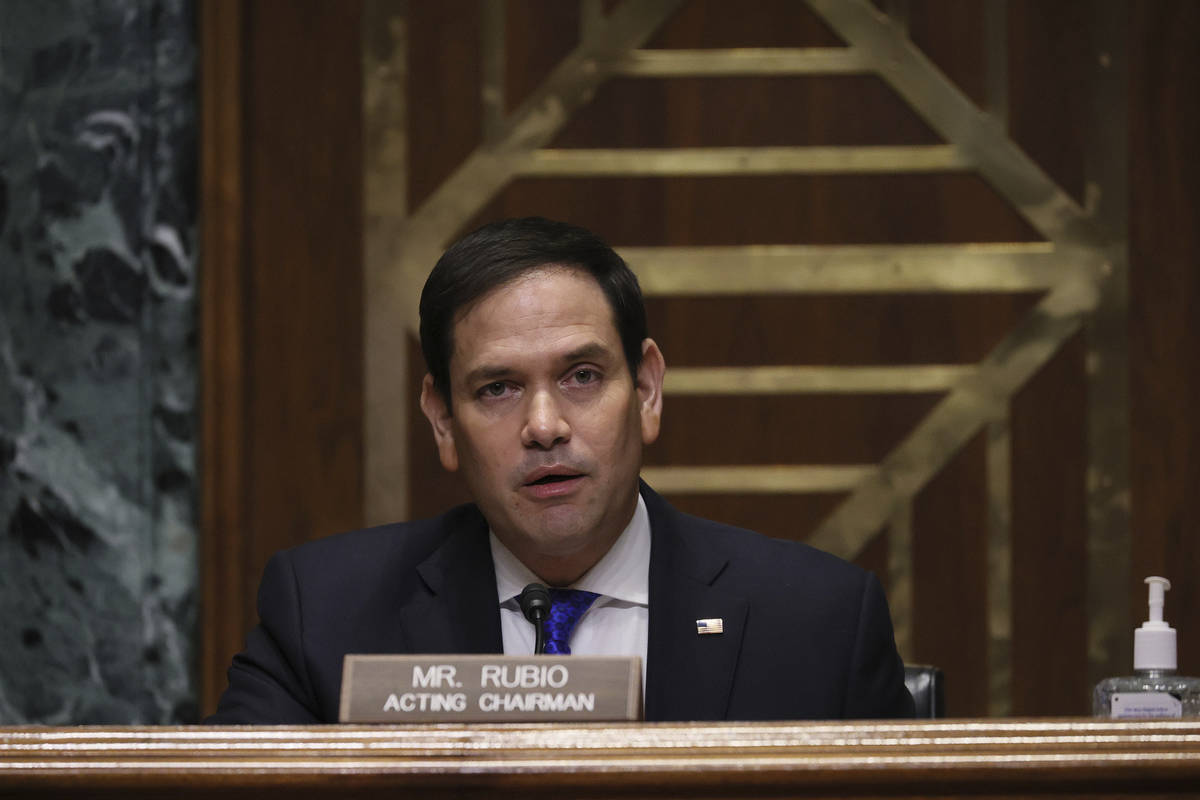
x,y
547,423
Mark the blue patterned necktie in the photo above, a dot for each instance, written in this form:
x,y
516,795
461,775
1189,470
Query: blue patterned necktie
x,y
566,607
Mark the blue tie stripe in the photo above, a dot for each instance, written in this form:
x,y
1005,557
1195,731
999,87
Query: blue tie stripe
x,y
567,606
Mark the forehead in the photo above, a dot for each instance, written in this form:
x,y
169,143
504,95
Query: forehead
x,y
546,309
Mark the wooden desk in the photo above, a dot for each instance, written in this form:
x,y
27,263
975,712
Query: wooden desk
x,y
952,758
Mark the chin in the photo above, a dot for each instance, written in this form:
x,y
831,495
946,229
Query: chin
x,y
562,538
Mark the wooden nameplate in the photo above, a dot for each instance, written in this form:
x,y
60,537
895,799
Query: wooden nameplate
x,y
495,688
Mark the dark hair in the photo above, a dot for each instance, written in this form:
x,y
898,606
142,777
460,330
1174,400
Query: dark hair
x,y
495,255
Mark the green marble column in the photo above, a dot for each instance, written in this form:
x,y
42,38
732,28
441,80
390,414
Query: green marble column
x,y
98,164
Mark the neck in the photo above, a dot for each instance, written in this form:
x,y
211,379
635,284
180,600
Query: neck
x,y
564,570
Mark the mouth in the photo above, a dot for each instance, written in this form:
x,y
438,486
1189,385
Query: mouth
x,y
557,478
551,482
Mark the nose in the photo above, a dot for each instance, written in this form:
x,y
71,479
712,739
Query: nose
x,y
545,425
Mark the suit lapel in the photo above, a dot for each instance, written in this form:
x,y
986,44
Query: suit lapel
x,y
689,675
458,611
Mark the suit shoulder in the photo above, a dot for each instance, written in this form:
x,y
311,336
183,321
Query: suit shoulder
x,y
755,553
749,549
389,546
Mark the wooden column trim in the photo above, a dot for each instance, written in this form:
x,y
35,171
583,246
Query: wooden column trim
x,y
223,355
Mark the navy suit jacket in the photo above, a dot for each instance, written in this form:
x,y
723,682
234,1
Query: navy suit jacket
x,y
806,635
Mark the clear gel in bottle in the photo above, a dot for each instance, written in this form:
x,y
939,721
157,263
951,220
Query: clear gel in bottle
x,y
1154,690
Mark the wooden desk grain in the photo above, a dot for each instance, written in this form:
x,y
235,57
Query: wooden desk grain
x,y
944,759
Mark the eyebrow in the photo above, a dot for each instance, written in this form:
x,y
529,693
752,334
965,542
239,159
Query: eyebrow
x,y
591,350
486,373
491,372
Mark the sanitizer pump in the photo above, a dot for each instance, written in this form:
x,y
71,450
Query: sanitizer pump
x,y
1154,690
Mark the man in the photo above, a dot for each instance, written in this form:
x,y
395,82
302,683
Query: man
x,y
543,388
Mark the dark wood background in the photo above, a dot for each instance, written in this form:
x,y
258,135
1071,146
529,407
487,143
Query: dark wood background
x,y
282,455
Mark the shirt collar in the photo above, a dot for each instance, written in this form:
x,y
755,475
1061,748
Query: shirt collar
x,y
623,573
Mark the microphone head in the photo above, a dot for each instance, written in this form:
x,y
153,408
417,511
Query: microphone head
x,y
535,602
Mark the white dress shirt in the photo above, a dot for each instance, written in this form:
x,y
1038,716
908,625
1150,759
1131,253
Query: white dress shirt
x,y
617,621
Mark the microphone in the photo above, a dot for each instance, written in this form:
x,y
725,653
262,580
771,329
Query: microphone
x,y
535,605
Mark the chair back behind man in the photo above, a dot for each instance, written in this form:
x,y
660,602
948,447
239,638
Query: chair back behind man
x,y
926,684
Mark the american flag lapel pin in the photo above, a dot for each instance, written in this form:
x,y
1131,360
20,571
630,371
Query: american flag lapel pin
x,y
714,625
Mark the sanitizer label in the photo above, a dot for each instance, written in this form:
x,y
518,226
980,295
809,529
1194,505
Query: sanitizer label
x,y
1141,705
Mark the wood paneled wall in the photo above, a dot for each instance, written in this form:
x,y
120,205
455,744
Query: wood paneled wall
x,y
1164,330
951,569
281,266
282,335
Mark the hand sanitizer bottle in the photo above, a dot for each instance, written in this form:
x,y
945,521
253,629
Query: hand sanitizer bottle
x,y
1154,690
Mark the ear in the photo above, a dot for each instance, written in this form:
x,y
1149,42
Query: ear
x,y
650,389
438,414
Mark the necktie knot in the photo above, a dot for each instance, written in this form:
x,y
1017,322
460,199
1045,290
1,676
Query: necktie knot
x,y
567,606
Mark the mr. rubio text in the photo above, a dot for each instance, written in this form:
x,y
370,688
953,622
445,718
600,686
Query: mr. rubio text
x,y
495,676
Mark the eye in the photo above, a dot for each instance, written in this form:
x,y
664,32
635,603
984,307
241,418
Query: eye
x,y
494,389
584,375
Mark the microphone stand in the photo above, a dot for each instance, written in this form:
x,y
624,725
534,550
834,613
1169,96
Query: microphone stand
x,y
535,605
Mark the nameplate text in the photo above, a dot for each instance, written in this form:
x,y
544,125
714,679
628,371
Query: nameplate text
x,y
395,689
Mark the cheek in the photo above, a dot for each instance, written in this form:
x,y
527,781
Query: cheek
x,y
496,449
618,430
